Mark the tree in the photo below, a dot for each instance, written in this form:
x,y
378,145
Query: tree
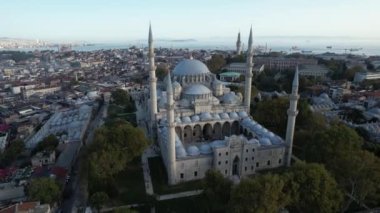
x,y
45,190
217,190
349,74
122,98
113,147
49,143
356,171
216,63
162,72
15,148
98,199
264,193
272,114
313,189
326,145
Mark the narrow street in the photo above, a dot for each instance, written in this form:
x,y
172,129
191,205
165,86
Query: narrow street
x,y
77,184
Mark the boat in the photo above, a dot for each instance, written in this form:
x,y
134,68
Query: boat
x,y
329,47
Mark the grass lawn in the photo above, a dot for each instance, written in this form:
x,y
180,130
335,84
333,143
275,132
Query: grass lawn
x,y
131,185
160,179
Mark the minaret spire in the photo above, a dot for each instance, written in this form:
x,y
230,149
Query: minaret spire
x,y
152,82
171,163
248,73
292,114
238,45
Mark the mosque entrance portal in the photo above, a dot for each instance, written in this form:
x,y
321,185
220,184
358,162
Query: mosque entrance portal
x,y
235,166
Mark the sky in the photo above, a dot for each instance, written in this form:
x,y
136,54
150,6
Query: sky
x,y
125,20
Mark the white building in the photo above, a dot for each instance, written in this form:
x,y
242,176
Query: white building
x,y
362,76
201,125
70,125
313,70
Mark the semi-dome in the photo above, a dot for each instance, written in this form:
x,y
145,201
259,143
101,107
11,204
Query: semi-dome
x,y
180,152
190,67
197,89
205,149
193,151
265,141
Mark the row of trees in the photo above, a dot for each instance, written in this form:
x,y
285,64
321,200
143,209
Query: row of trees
x,y
303,188
115,145
339,148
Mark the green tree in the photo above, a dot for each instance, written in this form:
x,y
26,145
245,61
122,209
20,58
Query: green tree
x,y
313,189
356,171
338,139
162,72
45,190
217,190
49,143
122,98
113,147
264,193
14,150
349,74
98,199
272,114
216,63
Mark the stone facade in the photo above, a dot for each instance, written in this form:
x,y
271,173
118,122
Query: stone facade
x,y
200,124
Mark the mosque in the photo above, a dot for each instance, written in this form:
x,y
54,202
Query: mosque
x,y
200,124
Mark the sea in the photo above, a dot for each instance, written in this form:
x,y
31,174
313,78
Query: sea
x,y
307,45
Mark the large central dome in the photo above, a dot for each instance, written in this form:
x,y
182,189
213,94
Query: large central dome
x,y
190,67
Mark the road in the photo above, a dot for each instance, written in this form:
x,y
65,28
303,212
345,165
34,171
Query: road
x,y
79,185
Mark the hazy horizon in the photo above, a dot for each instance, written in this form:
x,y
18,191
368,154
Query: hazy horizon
x,y
119,21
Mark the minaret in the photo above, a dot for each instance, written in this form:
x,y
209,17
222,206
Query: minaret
x,y
248,73
292,113
238,45
171,164
152,81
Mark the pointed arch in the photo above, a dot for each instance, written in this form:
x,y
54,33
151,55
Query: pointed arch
x,y
235,129
187,134
226,129
218,131
197,133
207,132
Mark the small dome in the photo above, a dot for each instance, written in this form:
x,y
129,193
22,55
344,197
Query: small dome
x,y
195,118
234,115
186,119
184,103
180,152
190,67
193,151
265,141
324,96
206,116
197,89
254,141
178,120
243,114
224,115
205,149
216,116
230,98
